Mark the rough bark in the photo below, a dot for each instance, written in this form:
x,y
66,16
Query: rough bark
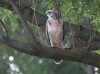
x,y
83,33
77,55
81,36
90,70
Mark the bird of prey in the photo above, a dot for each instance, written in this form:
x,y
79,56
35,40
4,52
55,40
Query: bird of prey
x,y
54,30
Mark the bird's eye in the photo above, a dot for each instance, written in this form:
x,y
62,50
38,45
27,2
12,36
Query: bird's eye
x,y
49,12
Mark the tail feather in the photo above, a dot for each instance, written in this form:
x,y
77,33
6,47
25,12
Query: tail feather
x,y
57,61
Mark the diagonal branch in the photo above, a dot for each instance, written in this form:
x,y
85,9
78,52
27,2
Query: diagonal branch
x,y
83,34
29,31
2,25
77,55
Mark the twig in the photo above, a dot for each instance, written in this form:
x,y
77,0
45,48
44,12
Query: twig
x,y
2,25
73,44
29,31
75,12
91,37
98,4
35,18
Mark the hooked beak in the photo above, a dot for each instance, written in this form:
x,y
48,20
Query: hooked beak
x,y
46,13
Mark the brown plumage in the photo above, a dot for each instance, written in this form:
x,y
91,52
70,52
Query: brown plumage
x,y
54,30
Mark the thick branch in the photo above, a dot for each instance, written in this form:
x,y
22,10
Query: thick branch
x,y
83,34
77,55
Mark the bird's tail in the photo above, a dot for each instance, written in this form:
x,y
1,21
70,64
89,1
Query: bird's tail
x,y
57,61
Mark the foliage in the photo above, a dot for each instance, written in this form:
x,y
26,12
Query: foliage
x,y
80,12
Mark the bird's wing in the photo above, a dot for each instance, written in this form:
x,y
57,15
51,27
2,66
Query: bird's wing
x,y
47,23
63,32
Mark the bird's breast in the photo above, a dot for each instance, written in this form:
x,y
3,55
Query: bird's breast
x,y
53,28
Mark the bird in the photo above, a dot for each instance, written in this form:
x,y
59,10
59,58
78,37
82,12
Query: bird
x,y
55,30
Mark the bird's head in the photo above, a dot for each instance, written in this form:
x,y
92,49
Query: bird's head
x,y
52,14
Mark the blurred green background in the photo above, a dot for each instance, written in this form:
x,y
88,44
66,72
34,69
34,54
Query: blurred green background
x,y
78,12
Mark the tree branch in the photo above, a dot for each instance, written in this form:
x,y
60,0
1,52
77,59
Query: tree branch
x,y
77,55
83,34
3,28
23,21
